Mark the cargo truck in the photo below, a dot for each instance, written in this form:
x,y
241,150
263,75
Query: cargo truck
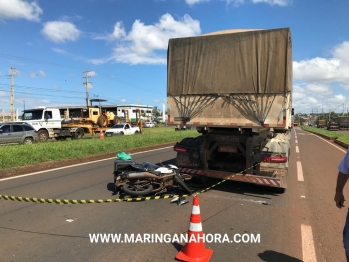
x,y
235,88
342,121
321,123
48,123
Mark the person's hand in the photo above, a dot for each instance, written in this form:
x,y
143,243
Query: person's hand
x,y
339,199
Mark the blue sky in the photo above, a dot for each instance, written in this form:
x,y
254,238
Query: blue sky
x,y
123,44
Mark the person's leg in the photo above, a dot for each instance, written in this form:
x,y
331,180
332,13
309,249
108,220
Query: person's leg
x,y
346,236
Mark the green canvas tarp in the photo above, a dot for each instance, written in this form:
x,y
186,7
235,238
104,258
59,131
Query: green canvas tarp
x,y
231,62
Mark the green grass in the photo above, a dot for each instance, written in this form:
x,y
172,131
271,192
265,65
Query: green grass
x,y
344,139
325,132
20,155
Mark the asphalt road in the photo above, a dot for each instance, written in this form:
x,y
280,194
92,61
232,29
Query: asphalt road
x,y
303,224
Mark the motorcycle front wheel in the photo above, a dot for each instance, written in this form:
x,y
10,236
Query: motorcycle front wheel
x,y
140,188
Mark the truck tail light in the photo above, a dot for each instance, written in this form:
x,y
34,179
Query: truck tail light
x,y
275,159
180,149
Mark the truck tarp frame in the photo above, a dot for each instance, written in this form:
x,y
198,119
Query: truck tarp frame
x,y
246,69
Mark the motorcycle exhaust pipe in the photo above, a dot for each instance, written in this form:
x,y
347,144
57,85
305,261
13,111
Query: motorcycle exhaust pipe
x,y
139,175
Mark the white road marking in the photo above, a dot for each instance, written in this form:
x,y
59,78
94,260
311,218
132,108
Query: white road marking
x,y
64,167
296,141
332,144
300,171
297,149
309,254
327,142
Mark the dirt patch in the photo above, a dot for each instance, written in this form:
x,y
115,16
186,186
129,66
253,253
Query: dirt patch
x,y
10,172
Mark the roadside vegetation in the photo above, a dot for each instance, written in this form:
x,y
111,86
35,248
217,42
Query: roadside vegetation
x,y
20,155
332,134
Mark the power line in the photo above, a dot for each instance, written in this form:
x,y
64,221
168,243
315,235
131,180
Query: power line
x,y
67,66
27,94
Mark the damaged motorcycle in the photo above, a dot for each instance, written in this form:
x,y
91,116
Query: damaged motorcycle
x,y
144,179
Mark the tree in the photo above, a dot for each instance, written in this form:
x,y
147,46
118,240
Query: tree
x,y
155,111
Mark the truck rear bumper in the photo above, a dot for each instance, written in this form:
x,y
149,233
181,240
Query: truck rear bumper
x,y
269,177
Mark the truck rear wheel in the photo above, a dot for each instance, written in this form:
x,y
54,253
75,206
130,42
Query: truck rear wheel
x,y
43,135
102,121
79,133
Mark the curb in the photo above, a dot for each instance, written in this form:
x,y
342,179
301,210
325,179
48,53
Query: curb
x,y
343,144
21,170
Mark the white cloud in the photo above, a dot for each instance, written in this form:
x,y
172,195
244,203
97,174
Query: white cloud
x,y
39,73
119,32
319,78
42,73
59,51
91,73
60,31
146,44
235,2
270,2
192,2
123,100
273,2
19,9
318,89
315,98
156,100
324,70
341,52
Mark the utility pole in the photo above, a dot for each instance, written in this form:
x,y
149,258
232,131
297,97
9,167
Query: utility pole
x,y
24,104
13,93
86,84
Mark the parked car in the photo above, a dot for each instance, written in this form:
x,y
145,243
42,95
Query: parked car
x,y
149,124
18,133
122,129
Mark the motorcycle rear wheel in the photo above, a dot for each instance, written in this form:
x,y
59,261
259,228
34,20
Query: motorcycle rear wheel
x,y
138,189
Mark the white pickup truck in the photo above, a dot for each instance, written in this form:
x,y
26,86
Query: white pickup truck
x,y
122,129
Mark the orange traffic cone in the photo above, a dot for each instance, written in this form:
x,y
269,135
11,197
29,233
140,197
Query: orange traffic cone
x,y
195,250
101,135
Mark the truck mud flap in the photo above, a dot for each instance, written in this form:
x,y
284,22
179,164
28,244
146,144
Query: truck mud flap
x,y
276,181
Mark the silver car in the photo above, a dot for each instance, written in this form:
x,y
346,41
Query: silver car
x,y
17,133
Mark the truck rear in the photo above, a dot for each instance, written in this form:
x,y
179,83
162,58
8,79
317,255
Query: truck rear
x,y
235,87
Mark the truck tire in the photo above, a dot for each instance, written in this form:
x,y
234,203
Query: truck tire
x,y
79,133
102,121
43,135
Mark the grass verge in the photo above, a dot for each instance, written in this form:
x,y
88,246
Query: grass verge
x,y
330,134
21,155
333,135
